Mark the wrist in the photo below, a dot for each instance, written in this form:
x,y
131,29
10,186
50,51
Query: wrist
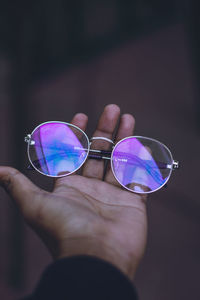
x,y
104,250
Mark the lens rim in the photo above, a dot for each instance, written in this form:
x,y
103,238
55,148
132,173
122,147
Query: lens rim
x,y
60,122
147,138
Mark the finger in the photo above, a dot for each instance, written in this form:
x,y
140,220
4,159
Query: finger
x,y
143,186
80,120
138,188
126,128
21,189
105,128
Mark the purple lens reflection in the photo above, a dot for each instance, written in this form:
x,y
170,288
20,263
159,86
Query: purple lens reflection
x,y
141,164
59,148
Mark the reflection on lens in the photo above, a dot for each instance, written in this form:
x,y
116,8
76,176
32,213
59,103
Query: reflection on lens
x,y
57,148
141,164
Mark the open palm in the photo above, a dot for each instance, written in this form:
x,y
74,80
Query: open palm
x,y
83,214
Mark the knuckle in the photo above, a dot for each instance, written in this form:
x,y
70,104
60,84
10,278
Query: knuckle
x,y
8,178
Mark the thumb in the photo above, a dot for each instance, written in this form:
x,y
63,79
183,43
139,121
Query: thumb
x,y
21,189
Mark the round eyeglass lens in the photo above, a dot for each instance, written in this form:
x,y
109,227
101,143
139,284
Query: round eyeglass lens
x,y
57,148
140,164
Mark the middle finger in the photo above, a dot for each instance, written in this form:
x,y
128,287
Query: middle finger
x,y
105,128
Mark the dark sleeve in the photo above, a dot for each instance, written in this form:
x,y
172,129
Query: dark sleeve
x,y
83,277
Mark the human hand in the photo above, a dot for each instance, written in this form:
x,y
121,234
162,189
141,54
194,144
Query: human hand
x,y
84,215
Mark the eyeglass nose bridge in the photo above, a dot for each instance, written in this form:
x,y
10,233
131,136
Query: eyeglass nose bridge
x,y
100,154
100,138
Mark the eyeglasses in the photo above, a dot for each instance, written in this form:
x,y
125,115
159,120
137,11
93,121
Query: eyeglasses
x,y
140,164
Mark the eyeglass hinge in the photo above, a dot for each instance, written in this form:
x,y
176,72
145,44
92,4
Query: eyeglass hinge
x,y
28,139
175,165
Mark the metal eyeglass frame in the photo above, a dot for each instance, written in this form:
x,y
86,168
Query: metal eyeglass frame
x,y
99,154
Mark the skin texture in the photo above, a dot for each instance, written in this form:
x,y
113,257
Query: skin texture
x,y
85,215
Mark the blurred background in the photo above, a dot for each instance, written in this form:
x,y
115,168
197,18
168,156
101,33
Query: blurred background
x,y
60,57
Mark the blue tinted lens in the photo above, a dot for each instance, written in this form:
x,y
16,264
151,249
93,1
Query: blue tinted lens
x,y
58,149
141,164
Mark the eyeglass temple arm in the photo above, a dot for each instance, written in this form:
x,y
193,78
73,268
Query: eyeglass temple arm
x,y
103,154
96,154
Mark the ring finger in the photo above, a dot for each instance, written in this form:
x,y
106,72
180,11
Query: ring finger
x,y
126,128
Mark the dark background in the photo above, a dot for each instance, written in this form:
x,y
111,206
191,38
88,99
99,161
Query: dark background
x,y
62,57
